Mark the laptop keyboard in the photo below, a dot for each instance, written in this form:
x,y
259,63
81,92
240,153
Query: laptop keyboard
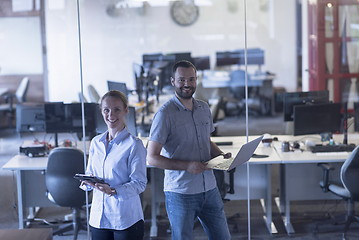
x,y
224,165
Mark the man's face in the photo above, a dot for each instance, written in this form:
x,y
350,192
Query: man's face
x,y
185,82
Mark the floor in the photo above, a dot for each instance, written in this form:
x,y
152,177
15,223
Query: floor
x,y
311,219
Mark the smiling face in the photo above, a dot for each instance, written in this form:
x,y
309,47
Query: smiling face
x,y
184,81
113,111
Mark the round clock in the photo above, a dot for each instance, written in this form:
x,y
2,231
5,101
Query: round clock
x,y
184,13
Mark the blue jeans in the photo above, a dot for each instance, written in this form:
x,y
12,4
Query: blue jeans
x,y
183,209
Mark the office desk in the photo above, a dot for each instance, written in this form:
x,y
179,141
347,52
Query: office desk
x,y
300,175
30,183
260,180
31,186
260,176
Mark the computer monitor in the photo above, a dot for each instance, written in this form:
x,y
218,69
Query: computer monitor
x,y
67,118
202,63
226,58
317,118
292,99
356,116
119,86
255,56
30,117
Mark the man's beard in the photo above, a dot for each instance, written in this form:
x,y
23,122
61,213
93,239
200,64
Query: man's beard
x,y
182,94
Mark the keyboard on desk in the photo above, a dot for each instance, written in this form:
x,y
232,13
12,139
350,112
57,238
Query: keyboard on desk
x,y
332,148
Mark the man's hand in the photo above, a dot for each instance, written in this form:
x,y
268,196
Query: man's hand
x,y
227,155
196,167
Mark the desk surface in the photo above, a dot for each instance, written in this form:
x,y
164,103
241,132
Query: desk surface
x,y
275,155
23,162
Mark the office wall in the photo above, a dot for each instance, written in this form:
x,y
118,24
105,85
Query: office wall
x,y
20,46
111,44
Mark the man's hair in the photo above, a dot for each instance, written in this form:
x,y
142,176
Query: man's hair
x,y
184,64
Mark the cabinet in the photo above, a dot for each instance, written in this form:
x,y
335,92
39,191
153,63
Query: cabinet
x,y
334,48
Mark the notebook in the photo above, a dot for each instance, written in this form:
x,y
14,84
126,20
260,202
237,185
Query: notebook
x,y
244,154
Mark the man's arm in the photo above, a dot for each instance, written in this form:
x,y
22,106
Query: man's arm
x,y
155,158
215,151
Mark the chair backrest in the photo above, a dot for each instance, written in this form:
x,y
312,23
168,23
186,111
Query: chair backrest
x,y
131,121
62,165
21,90
93,94
237,83
349,174
119,86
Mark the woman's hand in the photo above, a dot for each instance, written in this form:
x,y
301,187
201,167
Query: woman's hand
x,y
105,188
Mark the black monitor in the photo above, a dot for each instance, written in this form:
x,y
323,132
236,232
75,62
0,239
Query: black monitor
x,y
356,116
119,86
30,117
226,58
317,118
202,63
67,118
292,99
181,56
255,56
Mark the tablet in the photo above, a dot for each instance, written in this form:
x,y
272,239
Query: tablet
x,y
93,179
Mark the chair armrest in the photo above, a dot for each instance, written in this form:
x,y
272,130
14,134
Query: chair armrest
x,y
324,184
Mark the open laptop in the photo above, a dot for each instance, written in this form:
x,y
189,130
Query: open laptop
x,y
244,154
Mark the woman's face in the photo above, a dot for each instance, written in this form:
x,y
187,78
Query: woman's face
x,y
113,112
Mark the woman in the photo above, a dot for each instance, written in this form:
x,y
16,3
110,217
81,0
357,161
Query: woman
x,y
120,160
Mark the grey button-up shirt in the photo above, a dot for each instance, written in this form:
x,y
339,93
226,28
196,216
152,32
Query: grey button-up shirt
x,y
185,135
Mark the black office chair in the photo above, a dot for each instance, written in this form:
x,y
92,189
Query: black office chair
x,y
62,188
348,189
119,86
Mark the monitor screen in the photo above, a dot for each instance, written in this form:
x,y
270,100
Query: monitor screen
x,y
202,63
30,117
67,118
226,58
292,99
356,116
255,56
317,118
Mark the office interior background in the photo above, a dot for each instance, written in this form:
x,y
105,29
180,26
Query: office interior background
x,y
63,47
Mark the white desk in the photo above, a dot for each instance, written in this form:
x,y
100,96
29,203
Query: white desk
x,y
300,175
260,176
30,183
260,183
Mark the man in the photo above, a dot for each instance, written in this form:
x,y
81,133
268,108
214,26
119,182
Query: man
x,y
180,143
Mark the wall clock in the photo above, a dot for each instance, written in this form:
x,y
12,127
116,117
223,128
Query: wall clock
x,y
184,13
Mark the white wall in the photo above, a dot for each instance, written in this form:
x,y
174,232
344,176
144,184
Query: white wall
x,y
20,46
110,45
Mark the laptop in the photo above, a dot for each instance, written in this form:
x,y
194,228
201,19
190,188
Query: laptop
x,y
244,154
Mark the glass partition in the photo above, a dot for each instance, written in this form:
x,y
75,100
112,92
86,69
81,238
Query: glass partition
x,y
244,52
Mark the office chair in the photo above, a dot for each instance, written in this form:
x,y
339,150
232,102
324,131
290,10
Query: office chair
x,y
349,187
63,189
237,88
93,94
119,86
139,75
11,99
